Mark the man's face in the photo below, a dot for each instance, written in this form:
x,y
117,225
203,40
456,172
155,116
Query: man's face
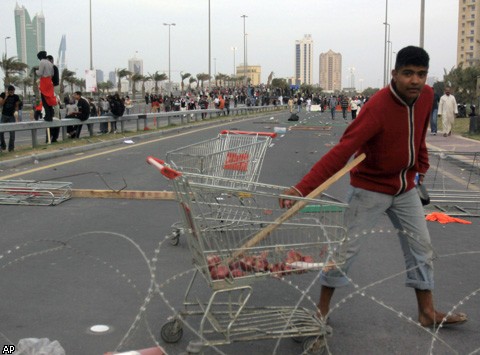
x,y
11,92
447,91
76,96
409,81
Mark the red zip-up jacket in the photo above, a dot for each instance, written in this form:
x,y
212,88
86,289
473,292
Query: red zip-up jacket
x,y
391,134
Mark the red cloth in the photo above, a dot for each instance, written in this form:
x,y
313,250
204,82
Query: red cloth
x,y
391,134
444,218
46,88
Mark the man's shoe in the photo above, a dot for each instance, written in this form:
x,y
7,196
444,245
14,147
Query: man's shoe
x,y
444,134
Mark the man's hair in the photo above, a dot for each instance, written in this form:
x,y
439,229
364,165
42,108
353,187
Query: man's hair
x,y
11,88
412,55
50,57
42,55
79,93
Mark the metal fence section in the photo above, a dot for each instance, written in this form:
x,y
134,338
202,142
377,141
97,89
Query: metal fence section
x,y
34,193
453,182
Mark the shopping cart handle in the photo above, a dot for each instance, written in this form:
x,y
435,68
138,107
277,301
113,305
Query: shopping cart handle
x,y
250,133
166,171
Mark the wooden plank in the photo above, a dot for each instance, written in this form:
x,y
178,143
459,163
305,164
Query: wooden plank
x,y
264,233
124,194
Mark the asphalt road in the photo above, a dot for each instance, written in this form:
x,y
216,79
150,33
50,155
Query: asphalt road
x,y
88,262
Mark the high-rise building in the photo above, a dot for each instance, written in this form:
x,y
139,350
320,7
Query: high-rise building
x,y
330,71
468,41
304,60
99,75
30,35
135,65
61,64
112,77
254,73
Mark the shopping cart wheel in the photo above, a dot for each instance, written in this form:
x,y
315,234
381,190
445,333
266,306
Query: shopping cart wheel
x,y
314,346
175,238
171,331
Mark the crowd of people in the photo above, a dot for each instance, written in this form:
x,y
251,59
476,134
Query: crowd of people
x,y
47,107
332,103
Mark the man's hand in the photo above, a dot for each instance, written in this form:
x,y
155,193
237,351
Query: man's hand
x,y
286,203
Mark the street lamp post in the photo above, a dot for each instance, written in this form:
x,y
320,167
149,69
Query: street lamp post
x,y
385,51
169,57
234,49
244,50
389,54
422,22
6,56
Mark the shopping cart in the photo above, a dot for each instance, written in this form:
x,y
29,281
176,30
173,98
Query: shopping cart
x,y
222,221
232,154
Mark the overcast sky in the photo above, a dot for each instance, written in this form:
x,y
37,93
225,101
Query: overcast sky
x,y
354,28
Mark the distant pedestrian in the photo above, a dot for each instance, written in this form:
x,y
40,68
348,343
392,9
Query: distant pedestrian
x,y
10,102
447,109
344,106
353,107
290,104
433,116
332,103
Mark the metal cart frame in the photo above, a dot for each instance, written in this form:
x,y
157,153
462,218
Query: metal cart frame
x,y
220,220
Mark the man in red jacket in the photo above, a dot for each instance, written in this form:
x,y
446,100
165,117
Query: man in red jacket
x,y
390,130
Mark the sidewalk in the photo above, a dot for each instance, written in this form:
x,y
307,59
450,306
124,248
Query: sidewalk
x,y
454,143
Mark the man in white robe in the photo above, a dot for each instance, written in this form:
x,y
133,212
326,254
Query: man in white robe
x,y
447,109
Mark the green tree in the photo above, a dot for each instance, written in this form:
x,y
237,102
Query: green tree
x,y
203,77
157,77
191,80
463,82
184,76
65,78
121,73
135,78
369,91
11,66
280,84
144,80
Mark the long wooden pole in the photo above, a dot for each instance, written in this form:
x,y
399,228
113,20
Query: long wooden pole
x,y
264,233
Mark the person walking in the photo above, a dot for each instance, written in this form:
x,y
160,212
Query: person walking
x,y
433,117
290,104
332,103
353,107
10,103
391,131
447,109
344,106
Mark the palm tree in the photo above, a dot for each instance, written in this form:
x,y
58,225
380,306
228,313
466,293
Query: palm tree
x,y
102,86
26,82
156,77
11,66
135,78
144,80
65,77
202,77
184,76
191,81
121,73
71,80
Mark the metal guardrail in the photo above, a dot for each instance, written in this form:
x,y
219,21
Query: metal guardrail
x,y
157,119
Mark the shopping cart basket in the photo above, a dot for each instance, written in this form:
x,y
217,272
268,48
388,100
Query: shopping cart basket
x,y
232,155
221,222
